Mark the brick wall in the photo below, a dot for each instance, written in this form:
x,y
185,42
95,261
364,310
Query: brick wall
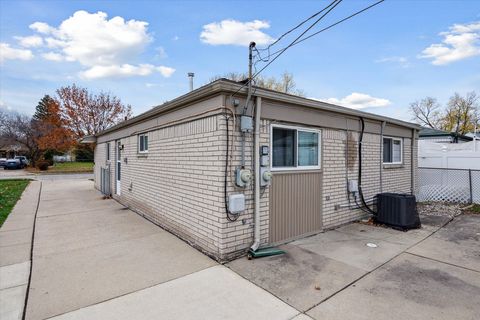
x,y
179,183
395,178
238,235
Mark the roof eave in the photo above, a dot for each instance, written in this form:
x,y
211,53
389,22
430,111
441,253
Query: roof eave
x,y
232,87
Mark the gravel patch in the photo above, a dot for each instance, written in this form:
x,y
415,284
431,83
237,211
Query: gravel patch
x,y
439,209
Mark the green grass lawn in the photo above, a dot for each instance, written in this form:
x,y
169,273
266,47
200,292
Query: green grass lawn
x,y
10,192
72,166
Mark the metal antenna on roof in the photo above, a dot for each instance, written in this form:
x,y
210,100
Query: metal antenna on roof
x,y
190,76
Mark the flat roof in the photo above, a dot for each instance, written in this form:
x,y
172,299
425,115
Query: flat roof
x,y
233,87
430,132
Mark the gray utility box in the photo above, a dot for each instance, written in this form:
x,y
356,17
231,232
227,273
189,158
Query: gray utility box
x,y
397,210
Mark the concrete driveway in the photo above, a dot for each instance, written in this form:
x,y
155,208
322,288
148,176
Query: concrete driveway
x,y
429,273
95,259
24,174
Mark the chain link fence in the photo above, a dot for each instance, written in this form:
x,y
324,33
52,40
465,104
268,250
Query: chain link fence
x,y
448,185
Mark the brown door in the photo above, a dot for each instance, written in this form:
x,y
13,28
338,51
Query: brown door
x,y
295,205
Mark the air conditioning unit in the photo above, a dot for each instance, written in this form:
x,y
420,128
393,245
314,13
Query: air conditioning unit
x,y
397,210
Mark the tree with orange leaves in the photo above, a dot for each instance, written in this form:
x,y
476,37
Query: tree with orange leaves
x,y
52,128
88,114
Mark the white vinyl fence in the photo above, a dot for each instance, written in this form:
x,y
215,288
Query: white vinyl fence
x,y
449,155
448,185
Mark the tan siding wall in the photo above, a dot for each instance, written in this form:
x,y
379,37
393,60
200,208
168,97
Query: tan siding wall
x,y
295,205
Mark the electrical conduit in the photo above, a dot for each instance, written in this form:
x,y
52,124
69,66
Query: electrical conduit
x,y
256,146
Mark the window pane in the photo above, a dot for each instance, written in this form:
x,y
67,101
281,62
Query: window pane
x,y
387,150
397,151
283,147
145,143
140,138
307,148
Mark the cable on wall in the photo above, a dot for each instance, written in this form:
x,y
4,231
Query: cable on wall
x,y
230,216
360,188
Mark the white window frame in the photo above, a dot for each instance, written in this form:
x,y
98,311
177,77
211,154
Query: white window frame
x,y
140,136
401,150
297,168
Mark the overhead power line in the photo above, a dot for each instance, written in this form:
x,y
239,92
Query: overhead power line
x,y
331,6
334,3
332,25
295,28
298,40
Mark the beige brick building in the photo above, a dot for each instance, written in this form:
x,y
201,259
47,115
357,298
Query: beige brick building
x,y
170,165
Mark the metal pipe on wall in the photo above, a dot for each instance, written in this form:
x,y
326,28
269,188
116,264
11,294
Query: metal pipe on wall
x,y
256,146
412,163
384,123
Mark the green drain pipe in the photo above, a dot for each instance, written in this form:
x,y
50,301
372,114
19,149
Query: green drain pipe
x,y
264,252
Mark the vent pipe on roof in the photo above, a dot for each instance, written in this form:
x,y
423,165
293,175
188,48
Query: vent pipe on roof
x,y
190,77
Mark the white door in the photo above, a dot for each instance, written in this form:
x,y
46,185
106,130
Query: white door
x,y
118,167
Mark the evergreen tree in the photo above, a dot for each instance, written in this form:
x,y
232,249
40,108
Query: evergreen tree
x,y
42,108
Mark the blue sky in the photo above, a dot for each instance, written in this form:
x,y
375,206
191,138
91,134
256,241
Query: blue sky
x,y
141,51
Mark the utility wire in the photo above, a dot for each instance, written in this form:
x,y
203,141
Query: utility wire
x,y
297,41
295,28
332,25
334,3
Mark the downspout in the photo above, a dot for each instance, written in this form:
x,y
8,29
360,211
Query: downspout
x,y
384,123
256,151
412,163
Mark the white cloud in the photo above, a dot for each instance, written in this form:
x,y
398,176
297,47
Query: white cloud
x,y
105,46
125,70
30,41
401,61
55,43
232,32
152,85
4,106
161,53
460,42
41,27
92,39
165,71
53,56
9,53
359,101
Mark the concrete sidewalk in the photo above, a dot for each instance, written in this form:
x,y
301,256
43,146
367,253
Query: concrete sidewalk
x,y
15,248
429,273
95,259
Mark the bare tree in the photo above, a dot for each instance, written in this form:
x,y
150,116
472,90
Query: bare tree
x,y
285,84
88,114
20,129
427,112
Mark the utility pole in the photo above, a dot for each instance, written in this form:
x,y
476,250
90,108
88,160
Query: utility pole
x,y
250,75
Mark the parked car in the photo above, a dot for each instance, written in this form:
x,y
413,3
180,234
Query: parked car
x,y
18,162
2,162
23,159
